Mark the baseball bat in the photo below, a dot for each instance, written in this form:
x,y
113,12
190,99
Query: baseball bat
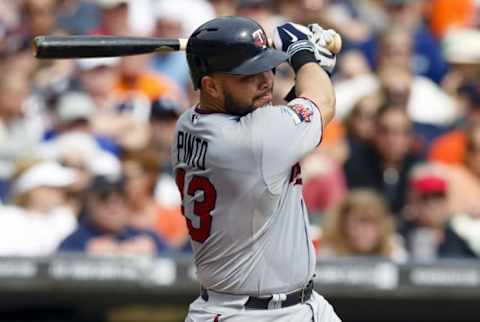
x,y
56,47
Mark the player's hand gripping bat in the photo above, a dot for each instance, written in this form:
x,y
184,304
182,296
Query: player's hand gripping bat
x,y
55,47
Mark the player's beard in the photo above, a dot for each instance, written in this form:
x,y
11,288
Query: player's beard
x,y
235,108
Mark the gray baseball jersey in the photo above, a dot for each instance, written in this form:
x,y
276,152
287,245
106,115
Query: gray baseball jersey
x,y
242,196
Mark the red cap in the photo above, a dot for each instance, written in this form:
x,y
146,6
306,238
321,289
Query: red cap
x,y
429,184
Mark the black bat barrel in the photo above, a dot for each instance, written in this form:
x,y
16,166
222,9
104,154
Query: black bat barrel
x,y
55,47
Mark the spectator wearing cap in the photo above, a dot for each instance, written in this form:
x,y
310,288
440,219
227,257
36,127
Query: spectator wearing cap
x,y
80,152
451,147
104,229
427,225
163,117
113,18
73,114
164,113
40,217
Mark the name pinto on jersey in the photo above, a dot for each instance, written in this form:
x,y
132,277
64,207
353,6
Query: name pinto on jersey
x,y
191,150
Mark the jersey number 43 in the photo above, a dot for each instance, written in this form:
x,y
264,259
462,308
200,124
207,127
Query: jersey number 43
x,y
202,208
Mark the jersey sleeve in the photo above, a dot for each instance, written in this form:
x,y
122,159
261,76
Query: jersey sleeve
x,y
283,135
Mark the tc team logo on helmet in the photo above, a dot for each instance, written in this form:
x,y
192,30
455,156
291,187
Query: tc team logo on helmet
x,y
259,38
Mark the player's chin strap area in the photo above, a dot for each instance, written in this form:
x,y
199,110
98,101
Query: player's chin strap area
x,y
276,301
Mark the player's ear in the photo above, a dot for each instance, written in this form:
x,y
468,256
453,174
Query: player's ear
x,y
211,86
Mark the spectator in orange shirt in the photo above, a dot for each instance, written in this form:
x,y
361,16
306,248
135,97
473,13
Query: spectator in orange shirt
x,y
446,14
135,78
465,178
450,148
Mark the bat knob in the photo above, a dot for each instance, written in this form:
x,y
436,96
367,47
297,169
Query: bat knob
x,y
335,46
35,45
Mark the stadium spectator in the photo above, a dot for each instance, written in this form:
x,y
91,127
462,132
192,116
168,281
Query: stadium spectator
x,y
223,7
141,170
77,17
395,81
357,21
104,228
360,123
163,116
465,178
361,225
324,184
427,54
38,17
169,23
383,165
113,18
81,152
21,124
261,11
136,79
399,85
40,216
170,223
427,227
451,147
461,48
73,114
121,119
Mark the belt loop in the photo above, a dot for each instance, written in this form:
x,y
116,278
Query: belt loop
x,y
276,301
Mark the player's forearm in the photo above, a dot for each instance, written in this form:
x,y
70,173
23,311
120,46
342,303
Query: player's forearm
x,y
313,82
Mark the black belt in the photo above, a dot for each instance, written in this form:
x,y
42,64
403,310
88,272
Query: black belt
x,y
261,303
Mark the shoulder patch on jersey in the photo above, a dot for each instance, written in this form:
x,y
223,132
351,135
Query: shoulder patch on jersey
x,y
303,112
294,116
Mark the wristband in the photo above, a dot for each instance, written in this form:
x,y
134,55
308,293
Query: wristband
x,y
301,58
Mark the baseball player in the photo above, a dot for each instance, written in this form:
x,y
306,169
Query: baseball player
x,y
236,161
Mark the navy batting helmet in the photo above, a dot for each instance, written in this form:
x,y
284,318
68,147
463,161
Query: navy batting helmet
x,y
230,45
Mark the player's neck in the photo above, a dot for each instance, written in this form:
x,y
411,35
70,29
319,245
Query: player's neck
x,y
210,105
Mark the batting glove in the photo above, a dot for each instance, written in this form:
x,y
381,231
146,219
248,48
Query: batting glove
x,y
321,37
289,33
294,39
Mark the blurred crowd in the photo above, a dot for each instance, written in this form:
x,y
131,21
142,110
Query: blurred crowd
x,y
84,144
